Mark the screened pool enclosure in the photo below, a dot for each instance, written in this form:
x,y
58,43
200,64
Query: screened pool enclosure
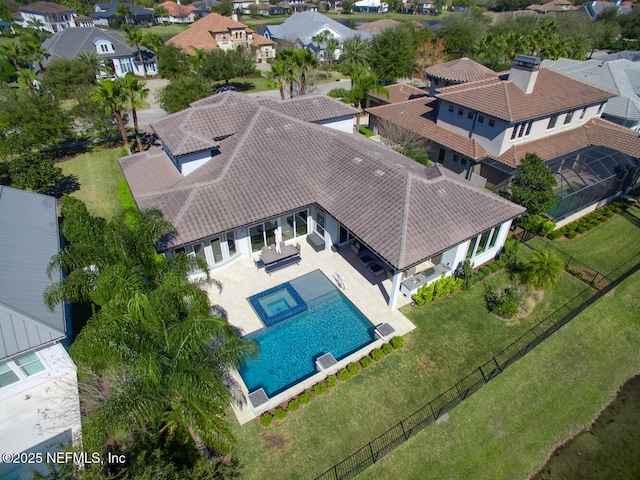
x,y
588,176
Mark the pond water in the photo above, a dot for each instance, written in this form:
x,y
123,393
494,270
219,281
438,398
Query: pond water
x,y
610,450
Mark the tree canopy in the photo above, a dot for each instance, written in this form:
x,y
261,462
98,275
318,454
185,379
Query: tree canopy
x,y
533,184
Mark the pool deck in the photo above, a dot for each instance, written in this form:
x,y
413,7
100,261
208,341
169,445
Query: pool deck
x,y
240,281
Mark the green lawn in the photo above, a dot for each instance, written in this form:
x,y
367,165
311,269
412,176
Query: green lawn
x,y
453,337
607,246
507,429
99,174
354,18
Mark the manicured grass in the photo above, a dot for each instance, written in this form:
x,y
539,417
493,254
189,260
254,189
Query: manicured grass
x,y
507,429
354,18
260,84
99,174
607,246
453,337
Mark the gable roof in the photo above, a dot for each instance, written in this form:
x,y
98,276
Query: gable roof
x,y
177,10
200,33
277,164
419,116
619,76
71,41
28,239
460,70
498,97
304,25
45,8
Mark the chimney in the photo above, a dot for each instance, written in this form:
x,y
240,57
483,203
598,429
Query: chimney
x,y
234,16
524,72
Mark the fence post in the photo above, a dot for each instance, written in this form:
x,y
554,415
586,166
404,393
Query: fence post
x,y
496,362
482,373
373,459
458,390
404,434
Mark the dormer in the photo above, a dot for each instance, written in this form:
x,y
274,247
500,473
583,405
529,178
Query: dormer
x,y
103,46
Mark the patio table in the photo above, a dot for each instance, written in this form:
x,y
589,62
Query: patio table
x,y
272,256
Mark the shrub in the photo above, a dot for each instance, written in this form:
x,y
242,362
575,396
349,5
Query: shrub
x,y
304,397
465,272
376,354
589,226
366,132
485,271
397,342
542,270
580,230
510,251
331,381
505,302
343,375
265,419
424,294
494,267
571,235
280,413
547,228
446,286
571,227
365,362
501,263
556,234
353,368
293,405
387,348
126,198
338,93
319,389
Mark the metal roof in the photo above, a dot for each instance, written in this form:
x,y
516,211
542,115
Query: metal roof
x,y
28,239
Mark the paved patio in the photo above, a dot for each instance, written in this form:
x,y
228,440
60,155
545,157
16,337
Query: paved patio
x,y
369,293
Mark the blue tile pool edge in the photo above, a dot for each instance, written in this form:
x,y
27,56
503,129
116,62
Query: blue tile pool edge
x,y
269,320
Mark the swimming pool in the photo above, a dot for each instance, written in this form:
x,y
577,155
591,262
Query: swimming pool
x,y
288,349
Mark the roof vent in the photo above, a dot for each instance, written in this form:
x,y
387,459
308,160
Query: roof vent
x,y
269,129
357,160
378,173
287,126
441,191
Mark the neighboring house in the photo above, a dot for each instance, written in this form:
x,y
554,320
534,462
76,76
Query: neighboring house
x,y
554,6
47,16
370,6
84,21
461,70
108,12
216,31
39,403
6,28
596,7
300,28
111,46
398,92
482,130
234,172
177,13
619,76
203,7
378,26
300,6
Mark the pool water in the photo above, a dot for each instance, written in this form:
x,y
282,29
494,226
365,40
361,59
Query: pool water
x,y
288,349
277,304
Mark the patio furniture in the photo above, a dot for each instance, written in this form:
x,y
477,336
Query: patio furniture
x,y
376,269
282,264
316,241
259,264
272,256
366,259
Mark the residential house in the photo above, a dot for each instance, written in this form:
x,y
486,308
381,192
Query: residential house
x,y
105,13
204,7
6,28
235,172
482,130
554,6
619,76
300,28
370,6
84,21
596,7
39,404
300,6
378,26
398,92
216,31
178,13
47,16
111,46
461,70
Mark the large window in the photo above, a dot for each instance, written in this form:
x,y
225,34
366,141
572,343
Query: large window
x,y
521,130
257,237
552,122
19,367
472,247
494,238
568,118
291,226
320,221
7,376
482,245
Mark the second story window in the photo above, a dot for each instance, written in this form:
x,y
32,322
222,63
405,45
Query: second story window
x,y
521,130
584,111
480,118
552,122
451,108
460,111
600,108
492,122
569,117
470,114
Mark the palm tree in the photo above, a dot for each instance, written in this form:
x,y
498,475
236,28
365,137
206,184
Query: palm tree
x,y
14,54
28,77
303,61
135,92
110,96
278,76
286,56
92,59
363,83
152,41
542,270
134,39
123,10
331,47
34,52
319,39
354,54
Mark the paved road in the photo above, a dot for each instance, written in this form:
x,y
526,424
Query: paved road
x,y
154,114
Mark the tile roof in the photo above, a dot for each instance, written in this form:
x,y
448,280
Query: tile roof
x,y
45,8
400,92
378,26
200,33
499,97
278,164
176,10
260,41
460,70
419,116
29,224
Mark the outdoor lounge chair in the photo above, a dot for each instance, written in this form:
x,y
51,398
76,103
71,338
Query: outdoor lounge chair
x,y
376,269
366,259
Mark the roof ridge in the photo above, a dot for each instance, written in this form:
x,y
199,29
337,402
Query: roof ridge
x,y
405,218
506,101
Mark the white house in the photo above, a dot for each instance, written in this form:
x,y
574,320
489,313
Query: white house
x,y
370,6
47,16
235,173
39,404
111,46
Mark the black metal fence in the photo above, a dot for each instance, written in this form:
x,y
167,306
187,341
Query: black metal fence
x,y
572,265
373,451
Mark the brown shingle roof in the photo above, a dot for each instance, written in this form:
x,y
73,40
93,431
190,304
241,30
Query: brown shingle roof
x,y
401,92
260,40
553,92
176,10
311,108
45,8
200,33
278,164
460,70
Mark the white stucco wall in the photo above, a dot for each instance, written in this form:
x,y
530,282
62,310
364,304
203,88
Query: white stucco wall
x,y
344,124
40,410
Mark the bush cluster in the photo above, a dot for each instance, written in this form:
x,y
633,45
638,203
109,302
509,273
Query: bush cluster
x,y
366,132
589,222
331,381
438,289
366,361
504,302
353,368
397,342
319,389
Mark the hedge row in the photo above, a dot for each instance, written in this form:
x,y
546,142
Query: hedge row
x,y
590,221
351,370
